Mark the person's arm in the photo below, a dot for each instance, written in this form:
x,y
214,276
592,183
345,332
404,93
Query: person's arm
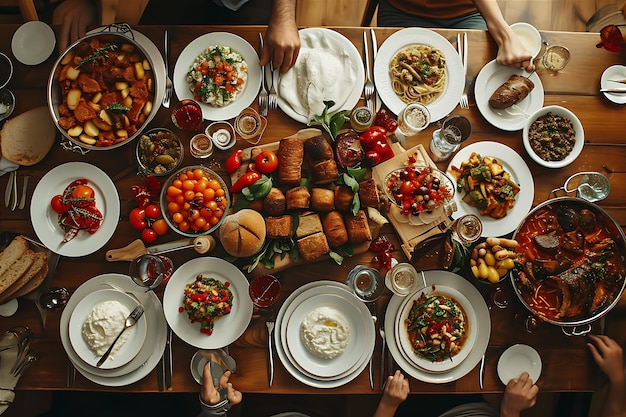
x,y
282,41
396,391
608,355
511,51
520,394
74,17
213,402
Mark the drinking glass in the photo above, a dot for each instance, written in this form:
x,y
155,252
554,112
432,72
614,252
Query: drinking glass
x,y
366,283
556,57
454,130
187,115
264,290
201,146
414,118
54,299
402,279
149,271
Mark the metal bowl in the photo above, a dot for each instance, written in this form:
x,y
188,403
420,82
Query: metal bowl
x,y
159,152
59,85
609,270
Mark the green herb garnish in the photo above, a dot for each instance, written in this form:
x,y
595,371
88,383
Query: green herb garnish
x,y
117,108
99,53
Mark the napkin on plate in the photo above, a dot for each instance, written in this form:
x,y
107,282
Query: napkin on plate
x,y
7,166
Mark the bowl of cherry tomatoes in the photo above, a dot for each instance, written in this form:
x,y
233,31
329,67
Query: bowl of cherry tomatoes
x,y
195,201
418,189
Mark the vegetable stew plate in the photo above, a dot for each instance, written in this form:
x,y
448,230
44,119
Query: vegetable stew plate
x,y
520,174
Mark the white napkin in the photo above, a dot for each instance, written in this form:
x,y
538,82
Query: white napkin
x,y
7,166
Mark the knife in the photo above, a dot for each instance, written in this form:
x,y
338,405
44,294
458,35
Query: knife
x,y
7,191
202,245
377,103
167,360
481,372
613,90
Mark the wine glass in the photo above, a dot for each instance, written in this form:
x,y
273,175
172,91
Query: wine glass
x,y
187,115
149,271
54,299
264,290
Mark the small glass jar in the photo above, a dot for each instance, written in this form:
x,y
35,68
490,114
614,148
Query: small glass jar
x,y
401,279
467,229
361,119
201,146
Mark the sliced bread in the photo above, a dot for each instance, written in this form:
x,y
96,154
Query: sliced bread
x,y
30,280
16,270
12,253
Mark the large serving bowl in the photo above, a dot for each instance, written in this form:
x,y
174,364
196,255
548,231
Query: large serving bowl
x,y
115,54
418,189
212,206
562,285
578,136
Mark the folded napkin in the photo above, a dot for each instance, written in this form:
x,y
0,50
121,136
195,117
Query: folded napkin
x,y
7,380
7,166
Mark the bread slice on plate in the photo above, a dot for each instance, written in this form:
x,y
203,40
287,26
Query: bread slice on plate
x,y
30,279
16,271
12,253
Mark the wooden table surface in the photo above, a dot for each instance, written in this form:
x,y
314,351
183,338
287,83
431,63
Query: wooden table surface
x,y
567,366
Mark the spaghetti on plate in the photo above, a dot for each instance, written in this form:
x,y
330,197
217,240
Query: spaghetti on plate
x,y
418,74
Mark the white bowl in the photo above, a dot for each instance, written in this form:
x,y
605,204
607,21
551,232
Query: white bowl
x,y
529,36
578,128
222,134
518,359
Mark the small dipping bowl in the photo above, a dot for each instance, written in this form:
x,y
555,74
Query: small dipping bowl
x,y
6,70
250,125
264,290
7,104
222,134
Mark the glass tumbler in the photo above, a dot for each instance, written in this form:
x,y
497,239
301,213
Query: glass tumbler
x,y
447,140
187,115
414,118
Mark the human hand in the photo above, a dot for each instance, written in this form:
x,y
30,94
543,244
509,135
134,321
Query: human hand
x,y
608,355
210,394
74,16
512,52
282,44
396,390
520,394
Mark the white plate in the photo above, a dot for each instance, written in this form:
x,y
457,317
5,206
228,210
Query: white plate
x,y
614,72
155,56
33,42
284,355
492,76
403,336
195,48
342,362
443,105
156,334
135,336
518,359
483,329
335,289
227,328
44,219
520,174
307,37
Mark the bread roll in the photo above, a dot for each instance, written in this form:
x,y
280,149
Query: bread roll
x,y
343,198
308,224
243,233
321,159
335,229
290,158
322,199
279,227
28,137
313,246
274,202
298,198
368,193
358,228
514,90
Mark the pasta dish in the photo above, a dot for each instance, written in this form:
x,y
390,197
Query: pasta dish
x,y
418,74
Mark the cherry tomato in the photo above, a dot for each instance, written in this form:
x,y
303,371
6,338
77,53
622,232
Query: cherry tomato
x,y
266,162
160,226
152,211
58,206
137,219
233,162
82,191
148,235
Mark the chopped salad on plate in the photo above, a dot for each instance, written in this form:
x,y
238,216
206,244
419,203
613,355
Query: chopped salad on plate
x,y
205,300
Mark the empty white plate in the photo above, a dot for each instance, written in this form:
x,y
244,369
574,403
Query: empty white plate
x,y
33,42
518,359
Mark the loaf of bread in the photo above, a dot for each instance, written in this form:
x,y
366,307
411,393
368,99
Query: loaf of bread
x,y
313,247
274,202
279,227
322,199
368,193
358,227
343,198
243,233
321,159
298,198
290,158
37,263
335,229
514,90
308,224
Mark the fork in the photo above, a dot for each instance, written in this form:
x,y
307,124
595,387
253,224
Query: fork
x,y
273,97
130,322
263,97
462,49
368,88
270,329
168,82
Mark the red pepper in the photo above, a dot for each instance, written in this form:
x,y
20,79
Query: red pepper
x,y
384,149
373,135
234,161
245,180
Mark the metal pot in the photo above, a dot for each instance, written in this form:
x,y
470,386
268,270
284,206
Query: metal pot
x,y
55,96
575,324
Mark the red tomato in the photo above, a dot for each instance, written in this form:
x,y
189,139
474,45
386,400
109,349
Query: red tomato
x,y
58,206
137,219
153,211
407,188
148,235
82,191
266,162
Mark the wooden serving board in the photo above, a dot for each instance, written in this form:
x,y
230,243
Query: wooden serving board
x,y
409,234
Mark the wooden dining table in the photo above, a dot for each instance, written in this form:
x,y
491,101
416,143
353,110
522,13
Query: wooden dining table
x,y
567,365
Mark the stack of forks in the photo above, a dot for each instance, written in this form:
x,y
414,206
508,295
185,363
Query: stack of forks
x,y
267,101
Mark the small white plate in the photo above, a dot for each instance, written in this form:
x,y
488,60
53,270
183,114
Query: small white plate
x,y
516,360
612,73
33,42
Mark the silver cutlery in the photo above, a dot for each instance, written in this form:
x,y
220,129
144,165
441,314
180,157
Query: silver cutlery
x,y
372,309
24,189
481,372
613,90
619,81
131,320
8,191
263,95
26,363
168,81
374,53
383,353
462,49
270,344
273,96
167,360
368,88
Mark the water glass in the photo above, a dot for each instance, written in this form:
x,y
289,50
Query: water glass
x,y
187,115
454,130
402,279
414,118
365,282
149,271
556,57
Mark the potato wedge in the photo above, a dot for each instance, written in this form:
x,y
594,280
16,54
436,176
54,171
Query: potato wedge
x,y
75,131
68,58
102,125
72,73
91,129
73,97
121,85
87,139
106,117
139,71
121,134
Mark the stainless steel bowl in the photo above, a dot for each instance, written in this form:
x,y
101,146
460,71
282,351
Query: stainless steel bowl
x,y
56,87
